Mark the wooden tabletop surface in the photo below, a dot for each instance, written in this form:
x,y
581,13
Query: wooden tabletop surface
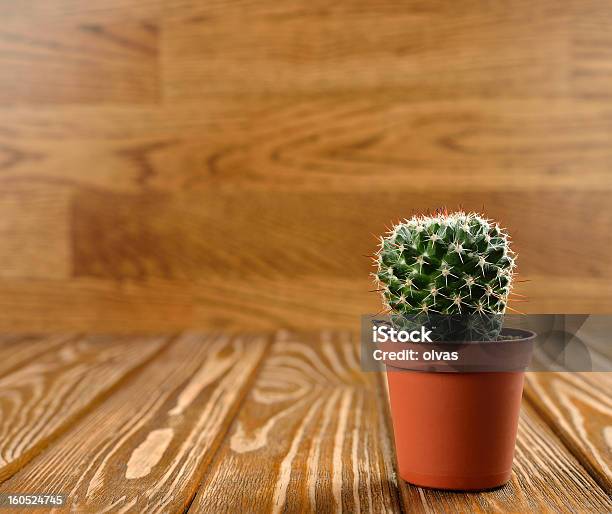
x,y
261,423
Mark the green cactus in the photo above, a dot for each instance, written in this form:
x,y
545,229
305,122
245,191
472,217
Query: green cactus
x,y
453,272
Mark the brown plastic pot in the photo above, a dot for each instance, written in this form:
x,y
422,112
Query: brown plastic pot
x,y
456,430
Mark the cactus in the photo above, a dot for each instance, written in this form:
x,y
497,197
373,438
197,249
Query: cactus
x,y
452,272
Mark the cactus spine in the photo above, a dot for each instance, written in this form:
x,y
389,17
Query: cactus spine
x,y
456,269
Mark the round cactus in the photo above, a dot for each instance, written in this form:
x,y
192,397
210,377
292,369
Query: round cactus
x,y
455,269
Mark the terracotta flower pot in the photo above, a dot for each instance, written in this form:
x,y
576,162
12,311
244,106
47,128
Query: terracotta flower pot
x,y
453,429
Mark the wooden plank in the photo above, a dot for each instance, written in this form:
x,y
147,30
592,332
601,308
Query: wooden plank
x,y
342,143
546,478
310,437
17,350
262,303
86,305
275,457
40,400
548,295
54,61
579,408
124,236
34,230
77,10
146,447
437,50
158,305
590,44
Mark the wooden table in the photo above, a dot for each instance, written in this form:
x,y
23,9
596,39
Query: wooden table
x,y
249,423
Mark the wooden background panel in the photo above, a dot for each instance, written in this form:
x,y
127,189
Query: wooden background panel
x,y
290,235
235,303
66,62
176,164
118,148
77,10
440,49
44,305
336,142
590,50
35,231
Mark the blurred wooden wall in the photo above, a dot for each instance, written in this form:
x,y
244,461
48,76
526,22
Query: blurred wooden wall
x,y
169,164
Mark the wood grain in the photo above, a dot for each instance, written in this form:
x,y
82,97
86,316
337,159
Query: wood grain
x,y
34,230
48,305
146,447
326,142
291,235
228,423
19,349
579,407
152,153
517,49
52,61
234,303
309,438
545,478
41,399
434,50
591,72
297,442
77,10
